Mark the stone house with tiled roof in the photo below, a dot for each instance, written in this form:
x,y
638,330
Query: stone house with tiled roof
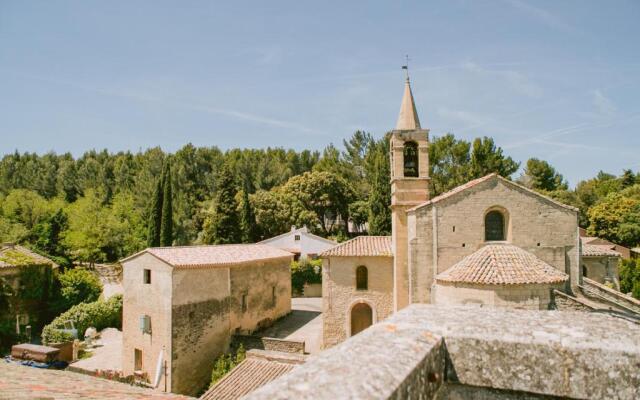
x,y
357,286
490,242
181,306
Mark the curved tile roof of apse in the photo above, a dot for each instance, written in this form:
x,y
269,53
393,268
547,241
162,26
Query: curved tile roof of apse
x,y
362,246
502,264
220,255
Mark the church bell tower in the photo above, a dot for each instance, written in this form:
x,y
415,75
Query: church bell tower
x,y
409,150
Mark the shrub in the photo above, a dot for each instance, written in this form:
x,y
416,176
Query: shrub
x,y
79,285
225,363
99,314
630,277
305,271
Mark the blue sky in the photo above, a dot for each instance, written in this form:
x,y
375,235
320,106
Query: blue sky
x,y
554,80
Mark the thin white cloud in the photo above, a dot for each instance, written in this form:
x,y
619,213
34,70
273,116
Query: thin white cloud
x,y
603,104
176,103
542,15
468,118
517,81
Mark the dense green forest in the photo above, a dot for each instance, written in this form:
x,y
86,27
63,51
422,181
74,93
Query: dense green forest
x,y
103,206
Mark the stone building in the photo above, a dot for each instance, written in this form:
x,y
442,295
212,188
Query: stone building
x,y
182,304
300,242
357,286
490,242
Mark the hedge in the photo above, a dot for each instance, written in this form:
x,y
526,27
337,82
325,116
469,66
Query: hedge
x,y
99,314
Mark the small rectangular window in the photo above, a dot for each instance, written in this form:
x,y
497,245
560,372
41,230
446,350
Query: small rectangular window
x,y
137,360
273,295
454,228
147,277
145,324
244,303
296,238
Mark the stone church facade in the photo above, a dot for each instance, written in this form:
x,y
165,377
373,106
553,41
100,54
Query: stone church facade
x,y
490,242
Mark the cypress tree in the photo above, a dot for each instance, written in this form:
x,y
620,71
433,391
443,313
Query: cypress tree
x,y
166,225
248,224
224,225
380,196
155,216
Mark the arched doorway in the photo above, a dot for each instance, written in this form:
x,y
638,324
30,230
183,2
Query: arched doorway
x,y
361,318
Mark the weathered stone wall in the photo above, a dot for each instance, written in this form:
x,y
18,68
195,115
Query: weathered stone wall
x,y
534,224
524,297
476,352
340,294
267,285
153,300
200,325
269,343
602,270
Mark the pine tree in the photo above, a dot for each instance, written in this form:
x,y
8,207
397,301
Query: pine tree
x,y
380,197
166,225
248,224
224,225
155,216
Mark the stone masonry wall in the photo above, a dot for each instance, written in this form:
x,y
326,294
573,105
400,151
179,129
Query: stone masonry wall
x,y
534,224
267,343
339,293
523,297
200,325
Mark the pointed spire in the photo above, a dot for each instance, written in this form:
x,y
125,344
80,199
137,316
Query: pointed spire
x,y
408,119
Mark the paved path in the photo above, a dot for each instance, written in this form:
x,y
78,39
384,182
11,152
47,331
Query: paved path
x,y
304,323
107,355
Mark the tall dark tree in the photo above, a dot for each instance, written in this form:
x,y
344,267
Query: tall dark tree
x,y
248,225
166,224
223,226
380,195
155,216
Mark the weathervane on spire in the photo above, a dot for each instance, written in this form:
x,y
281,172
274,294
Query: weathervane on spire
x,y
406,65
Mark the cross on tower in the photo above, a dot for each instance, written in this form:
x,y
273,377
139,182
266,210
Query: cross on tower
x,y
406,65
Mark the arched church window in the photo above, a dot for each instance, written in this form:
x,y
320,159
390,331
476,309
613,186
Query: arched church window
x,y
494,226
362,278
410,155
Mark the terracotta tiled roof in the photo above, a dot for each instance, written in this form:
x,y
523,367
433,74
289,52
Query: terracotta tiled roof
x,y
255,371
502,264
598,250
221,255
18,382
362,246
477,181
13,255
